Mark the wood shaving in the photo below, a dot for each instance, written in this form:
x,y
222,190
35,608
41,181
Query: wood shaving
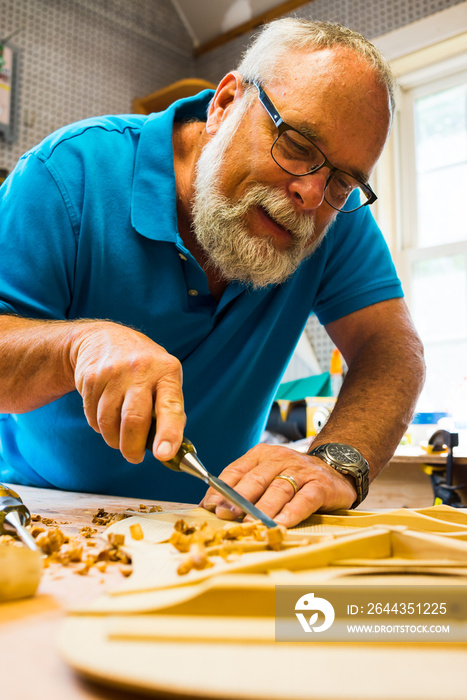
x,y
275,537
202,541
184,528
116,539
147,509
83,569
7,539
80,553
88,532
36,530
198,559
136,531
86,551
125,570
102,517
73,551
51,540
112,552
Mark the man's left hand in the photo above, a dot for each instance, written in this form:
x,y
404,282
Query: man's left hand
x,y
320,487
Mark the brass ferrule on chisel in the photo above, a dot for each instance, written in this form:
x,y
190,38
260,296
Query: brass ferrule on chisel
x,y
15,516
186,460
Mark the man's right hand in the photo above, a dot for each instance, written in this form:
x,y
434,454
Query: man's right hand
x,y
125,378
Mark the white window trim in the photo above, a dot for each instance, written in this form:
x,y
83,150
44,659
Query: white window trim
x,y
425,33
409,49
417,52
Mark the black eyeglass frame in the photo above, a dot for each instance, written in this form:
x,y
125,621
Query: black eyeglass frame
x,y
282,126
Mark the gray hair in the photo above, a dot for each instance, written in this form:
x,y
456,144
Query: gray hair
x,y
266,58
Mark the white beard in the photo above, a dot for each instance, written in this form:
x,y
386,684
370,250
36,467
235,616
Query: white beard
x,y
220,225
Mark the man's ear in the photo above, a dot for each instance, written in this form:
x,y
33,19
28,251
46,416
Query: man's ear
x,y
229,89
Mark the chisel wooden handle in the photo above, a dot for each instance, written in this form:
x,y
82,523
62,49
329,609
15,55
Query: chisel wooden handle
x,y
184,449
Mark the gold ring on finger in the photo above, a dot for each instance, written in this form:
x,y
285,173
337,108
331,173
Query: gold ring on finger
x,y
291,481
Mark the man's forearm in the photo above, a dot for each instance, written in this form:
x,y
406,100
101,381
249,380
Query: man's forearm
x,y
35,366
377,399
122,376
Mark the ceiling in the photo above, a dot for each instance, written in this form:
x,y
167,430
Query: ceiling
x,y
206,20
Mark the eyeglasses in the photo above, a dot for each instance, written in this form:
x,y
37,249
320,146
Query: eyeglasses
x,y
297,155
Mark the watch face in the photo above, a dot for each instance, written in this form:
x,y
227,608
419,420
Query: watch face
x,y
343,453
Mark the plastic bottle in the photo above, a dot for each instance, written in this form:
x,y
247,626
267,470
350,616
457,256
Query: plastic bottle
x,y
336,372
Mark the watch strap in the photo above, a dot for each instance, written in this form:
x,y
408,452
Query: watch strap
x,y
358,470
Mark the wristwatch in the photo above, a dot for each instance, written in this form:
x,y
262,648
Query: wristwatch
x,y
346,460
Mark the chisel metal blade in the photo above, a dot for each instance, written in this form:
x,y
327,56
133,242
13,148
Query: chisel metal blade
x,y
186,460
234,497
191,464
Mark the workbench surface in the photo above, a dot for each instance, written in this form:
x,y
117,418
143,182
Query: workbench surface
x,y
31,667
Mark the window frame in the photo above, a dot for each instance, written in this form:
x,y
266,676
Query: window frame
x,y
395,209
409,251
422,53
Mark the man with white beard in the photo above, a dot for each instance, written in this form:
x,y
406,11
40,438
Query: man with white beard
x,y
198,241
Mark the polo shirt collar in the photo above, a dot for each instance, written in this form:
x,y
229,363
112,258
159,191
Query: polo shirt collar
x,y
153,202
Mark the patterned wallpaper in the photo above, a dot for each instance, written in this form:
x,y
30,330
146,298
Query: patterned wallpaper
x,y
370,17
80,58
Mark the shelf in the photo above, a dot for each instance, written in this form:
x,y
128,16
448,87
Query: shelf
x,y
160,100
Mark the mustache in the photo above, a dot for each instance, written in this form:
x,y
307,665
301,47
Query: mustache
x,y
279,208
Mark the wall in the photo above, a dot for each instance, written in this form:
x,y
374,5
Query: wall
x,y
81,58
370,17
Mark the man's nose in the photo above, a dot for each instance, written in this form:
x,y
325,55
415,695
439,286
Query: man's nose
x,y
308,190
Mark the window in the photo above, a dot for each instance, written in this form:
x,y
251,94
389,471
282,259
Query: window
x,y
433,252
421,182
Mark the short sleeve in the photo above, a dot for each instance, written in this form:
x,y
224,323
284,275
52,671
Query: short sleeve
x,y
37,243
358,269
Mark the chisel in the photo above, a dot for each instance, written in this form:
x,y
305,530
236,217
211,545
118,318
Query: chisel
x,y
15,516
186,460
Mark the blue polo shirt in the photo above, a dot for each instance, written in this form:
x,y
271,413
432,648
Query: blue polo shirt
x,y
88,229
